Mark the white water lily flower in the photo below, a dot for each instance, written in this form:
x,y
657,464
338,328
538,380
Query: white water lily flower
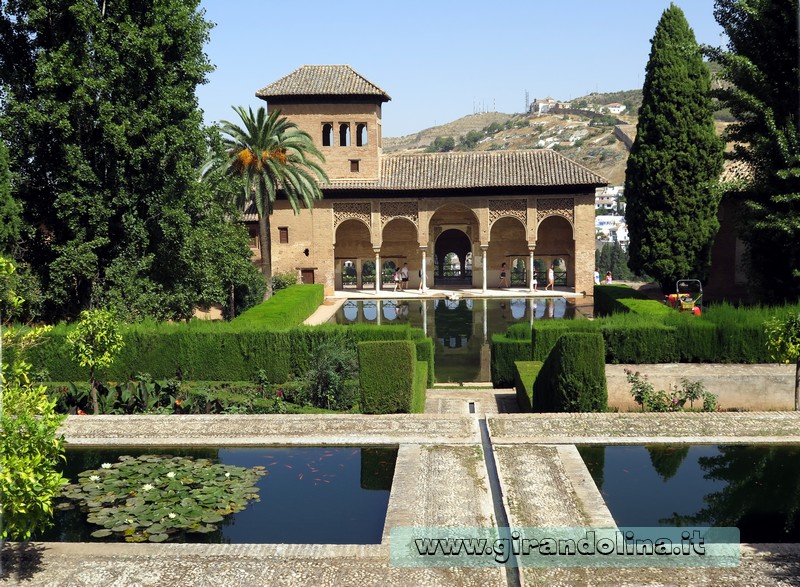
x,y
94,478
106,465
172,515
171,474
147,487
227,474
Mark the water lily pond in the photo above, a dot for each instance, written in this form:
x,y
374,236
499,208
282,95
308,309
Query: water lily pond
x,y
461,329
753,488
297,495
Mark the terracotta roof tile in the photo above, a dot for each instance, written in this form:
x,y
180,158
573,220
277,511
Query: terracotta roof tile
x,y
323,80
535,168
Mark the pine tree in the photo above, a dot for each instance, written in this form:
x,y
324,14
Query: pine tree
x,y
675,161
762,71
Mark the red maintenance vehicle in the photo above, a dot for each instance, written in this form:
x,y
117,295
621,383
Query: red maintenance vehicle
x,y
687,297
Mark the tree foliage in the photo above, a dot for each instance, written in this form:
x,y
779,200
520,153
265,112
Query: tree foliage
x,y
270,154
95,343
675,161
29,447
783,341
9,208
441,145
761,71
105,138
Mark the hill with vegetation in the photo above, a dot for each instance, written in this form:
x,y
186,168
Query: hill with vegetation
x,y
583,133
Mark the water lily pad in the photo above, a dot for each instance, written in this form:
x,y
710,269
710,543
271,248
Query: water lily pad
x,y
158,537
101,533
136,500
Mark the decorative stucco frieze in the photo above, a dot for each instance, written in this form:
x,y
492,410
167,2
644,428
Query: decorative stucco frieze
x,y
391,210
514,208
351,210
555,207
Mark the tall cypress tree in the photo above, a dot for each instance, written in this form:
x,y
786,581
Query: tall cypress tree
x,y
106,139
762,71
675,161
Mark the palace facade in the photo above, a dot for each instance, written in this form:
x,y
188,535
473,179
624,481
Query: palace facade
x,y
454,218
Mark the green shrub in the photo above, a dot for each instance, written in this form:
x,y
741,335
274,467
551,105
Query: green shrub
x,y
424,352
331,376
525,376
420,388
614,299
286,308
505,351
211,351
546,333
386,374
283,280
572,378
647,342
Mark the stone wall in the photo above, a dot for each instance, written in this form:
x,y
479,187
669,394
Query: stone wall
x,y
737,387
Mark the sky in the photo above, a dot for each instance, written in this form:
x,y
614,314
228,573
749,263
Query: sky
x,y
439,60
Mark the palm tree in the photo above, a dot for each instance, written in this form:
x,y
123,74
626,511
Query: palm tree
x,y
271,154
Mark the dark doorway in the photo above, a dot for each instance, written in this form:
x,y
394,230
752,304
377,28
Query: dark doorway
x,y
452,259
307,275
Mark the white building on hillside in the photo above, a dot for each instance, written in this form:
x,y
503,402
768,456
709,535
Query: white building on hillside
x,y
615,108
612,229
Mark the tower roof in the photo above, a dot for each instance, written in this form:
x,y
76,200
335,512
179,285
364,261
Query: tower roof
x,y
323,80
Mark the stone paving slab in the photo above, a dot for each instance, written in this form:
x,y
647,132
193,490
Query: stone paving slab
x,y
638,428
270,429
536,488
456,400
187,565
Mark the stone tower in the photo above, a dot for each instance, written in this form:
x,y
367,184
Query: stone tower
x,y
341,110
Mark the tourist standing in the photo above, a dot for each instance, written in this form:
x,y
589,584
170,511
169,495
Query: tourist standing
x,y
404,277
608,277
596,276
551,279
397,279
503,282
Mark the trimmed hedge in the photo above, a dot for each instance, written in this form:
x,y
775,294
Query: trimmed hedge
x,y
525,373
424,351
286,308
211,352
387,373
505,351
546,333
420,388
607,299
572,379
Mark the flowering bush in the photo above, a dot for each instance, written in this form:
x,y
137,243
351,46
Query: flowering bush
x,y
674,400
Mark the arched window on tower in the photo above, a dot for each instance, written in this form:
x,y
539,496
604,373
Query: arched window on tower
x,y
327,134
361,134
344,134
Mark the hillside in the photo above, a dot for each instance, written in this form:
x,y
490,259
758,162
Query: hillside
x,y
582,136
577,136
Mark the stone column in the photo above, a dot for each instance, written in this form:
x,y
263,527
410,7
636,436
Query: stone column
x,y
378,276
484,251
530,270
424,268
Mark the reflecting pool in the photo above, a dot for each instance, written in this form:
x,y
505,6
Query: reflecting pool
x,y
754,488
461,329
310,495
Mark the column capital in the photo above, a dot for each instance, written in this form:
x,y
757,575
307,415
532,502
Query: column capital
x,y
484,247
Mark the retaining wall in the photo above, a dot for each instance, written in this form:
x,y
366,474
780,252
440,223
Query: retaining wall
x,y
737,387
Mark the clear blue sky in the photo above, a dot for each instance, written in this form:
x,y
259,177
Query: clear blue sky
x,y
439,60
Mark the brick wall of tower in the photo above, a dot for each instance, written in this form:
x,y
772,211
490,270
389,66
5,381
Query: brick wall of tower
x,y
311,117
